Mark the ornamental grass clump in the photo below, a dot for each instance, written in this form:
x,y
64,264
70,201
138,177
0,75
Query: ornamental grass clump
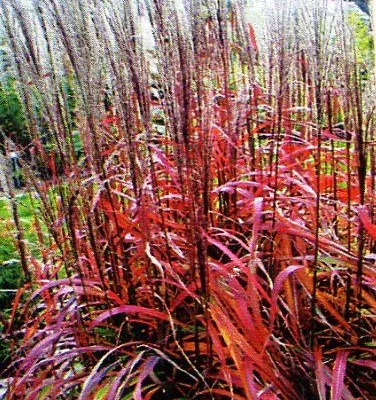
x,y
208,198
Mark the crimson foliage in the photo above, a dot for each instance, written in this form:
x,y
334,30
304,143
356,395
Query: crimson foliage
x,y
215,236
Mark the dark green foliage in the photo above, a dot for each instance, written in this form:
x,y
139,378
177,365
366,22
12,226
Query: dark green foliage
x,y
11,278
12,117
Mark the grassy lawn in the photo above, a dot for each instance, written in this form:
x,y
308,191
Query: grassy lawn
x,y
11,275
26,213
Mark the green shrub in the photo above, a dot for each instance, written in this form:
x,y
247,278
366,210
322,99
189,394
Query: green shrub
x,y
363,38
12,118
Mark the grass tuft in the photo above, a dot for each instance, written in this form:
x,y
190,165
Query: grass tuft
x,y
206,221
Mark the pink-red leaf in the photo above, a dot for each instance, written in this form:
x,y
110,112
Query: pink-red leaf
x,y
339,372
366,221
147,368
129,309
277,288
365,363
320,376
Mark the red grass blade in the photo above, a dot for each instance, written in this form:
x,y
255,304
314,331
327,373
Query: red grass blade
x,y
366,221
277,288
320,377
146,369
129,309
339,373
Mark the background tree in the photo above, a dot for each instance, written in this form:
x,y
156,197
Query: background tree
x,y
364,5
12,117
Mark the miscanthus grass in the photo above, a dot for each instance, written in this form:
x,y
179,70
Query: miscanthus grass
x,y
209,200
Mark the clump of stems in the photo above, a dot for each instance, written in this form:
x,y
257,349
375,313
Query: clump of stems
x,y
208,202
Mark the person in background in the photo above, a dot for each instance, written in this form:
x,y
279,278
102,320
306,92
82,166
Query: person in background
x,y
16,169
